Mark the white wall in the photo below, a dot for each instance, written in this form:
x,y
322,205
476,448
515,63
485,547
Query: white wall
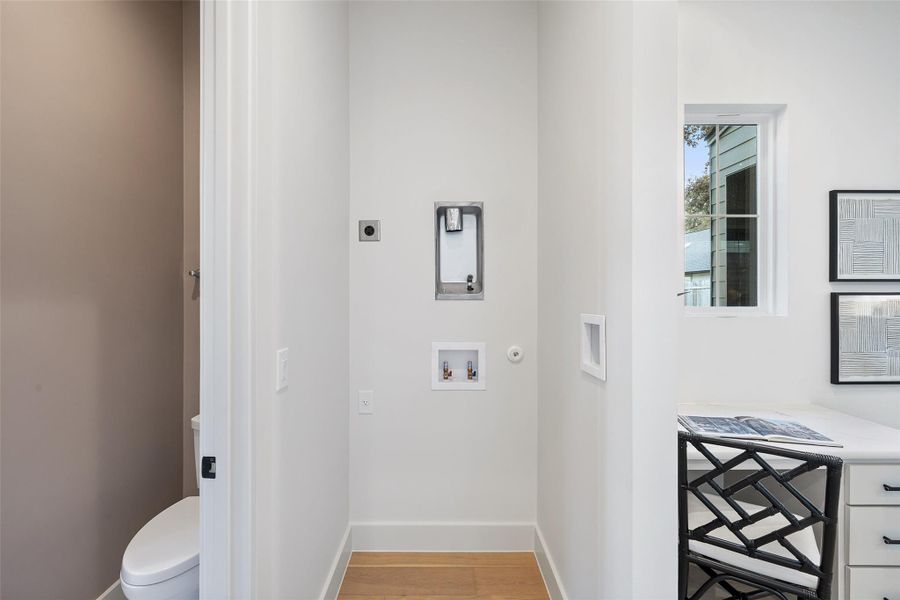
x,y
443,107
608,142
574,248
835,66
301,452
656,280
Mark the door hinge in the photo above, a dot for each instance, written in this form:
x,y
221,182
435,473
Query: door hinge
x,y
208,467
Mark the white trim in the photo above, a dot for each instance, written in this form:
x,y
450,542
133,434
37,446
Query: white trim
x,y
113,592
552,580
408,536
339,567
226,203
213,504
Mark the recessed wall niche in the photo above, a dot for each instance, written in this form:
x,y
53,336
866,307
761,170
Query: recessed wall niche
x,y
593,345
458,366
458,251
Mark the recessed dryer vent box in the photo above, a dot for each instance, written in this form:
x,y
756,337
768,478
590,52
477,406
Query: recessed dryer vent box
x,y
458,366
458,251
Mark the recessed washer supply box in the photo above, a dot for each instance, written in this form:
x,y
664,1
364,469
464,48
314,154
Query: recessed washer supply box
x,y
458,366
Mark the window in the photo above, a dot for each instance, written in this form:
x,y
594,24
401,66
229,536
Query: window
x,y
725,214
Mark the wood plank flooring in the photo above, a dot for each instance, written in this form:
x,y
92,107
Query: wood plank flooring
x,y
443,576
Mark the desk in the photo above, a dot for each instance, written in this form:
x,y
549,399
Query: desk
x,y
866,569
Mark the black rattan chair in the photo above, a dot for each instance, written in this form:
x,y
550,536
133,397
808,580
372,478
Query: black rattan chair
x,y
736,531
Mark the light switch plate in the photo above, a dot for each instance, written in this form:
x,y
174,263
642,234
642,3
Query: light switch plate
x,y
366,402
281,369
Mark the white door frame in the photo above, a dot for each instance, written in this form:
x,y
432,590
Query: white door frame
x,y
227,68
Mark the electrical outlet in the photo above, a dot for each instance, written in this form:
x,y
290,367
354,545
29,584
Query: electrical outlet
x,y
366,402
281,369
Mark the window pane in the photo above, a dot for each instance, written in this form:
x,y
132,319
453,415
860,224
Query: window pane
x,y
721,215
734,171
697,153
740,192
734,261
697,260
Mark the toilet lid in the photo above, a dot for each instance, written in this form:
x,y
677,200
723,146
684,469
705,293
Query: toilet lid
x,y
165,547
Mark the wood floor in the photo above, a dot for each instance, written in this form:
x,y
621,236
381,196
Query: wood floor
x,y
443,576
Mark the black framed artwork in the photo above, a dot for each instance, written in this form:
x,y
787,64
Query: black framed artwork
x,y
864,235
865,337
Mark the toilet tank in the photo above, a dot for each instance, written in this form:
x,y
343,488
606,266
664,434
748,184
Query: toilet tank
x,y
195,425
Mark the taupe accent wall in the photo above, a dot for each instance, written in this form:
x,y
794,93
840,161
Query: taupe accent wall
x,y
91,238
191,296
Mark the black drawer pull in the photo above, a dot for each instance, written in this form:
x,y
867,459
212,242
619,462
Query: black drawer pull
x,y
888,540
891,488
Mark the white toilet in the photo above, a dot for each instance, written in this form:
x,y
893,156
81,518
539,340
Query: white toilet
x,y
162,561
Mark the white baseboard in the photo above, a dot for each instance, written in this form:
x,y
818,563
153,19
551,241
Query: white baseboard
x,y
339,567
548,567
113,592
428,537
405,536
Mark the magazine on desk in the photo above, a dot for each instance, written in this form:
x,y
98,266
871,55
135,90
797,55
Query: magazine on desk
x,y
755,428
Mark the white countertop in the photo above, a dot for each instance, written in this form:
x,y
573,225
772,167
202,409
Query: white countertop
x,y
863,441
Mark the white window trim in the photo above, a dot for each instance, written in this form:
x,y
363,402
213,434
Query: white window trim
x,y
765,174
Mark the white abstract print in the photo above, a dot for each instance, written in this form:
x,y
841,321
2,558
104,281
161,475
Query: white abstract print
x,y
868,230
869,338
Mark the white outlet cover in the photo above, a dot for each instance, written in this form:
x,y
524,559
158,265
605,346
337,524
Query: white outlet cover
x,y
366,400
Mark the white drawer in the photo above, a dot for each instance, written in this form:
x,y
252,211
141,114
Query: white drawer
x,y
865,484
866,526
873,583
